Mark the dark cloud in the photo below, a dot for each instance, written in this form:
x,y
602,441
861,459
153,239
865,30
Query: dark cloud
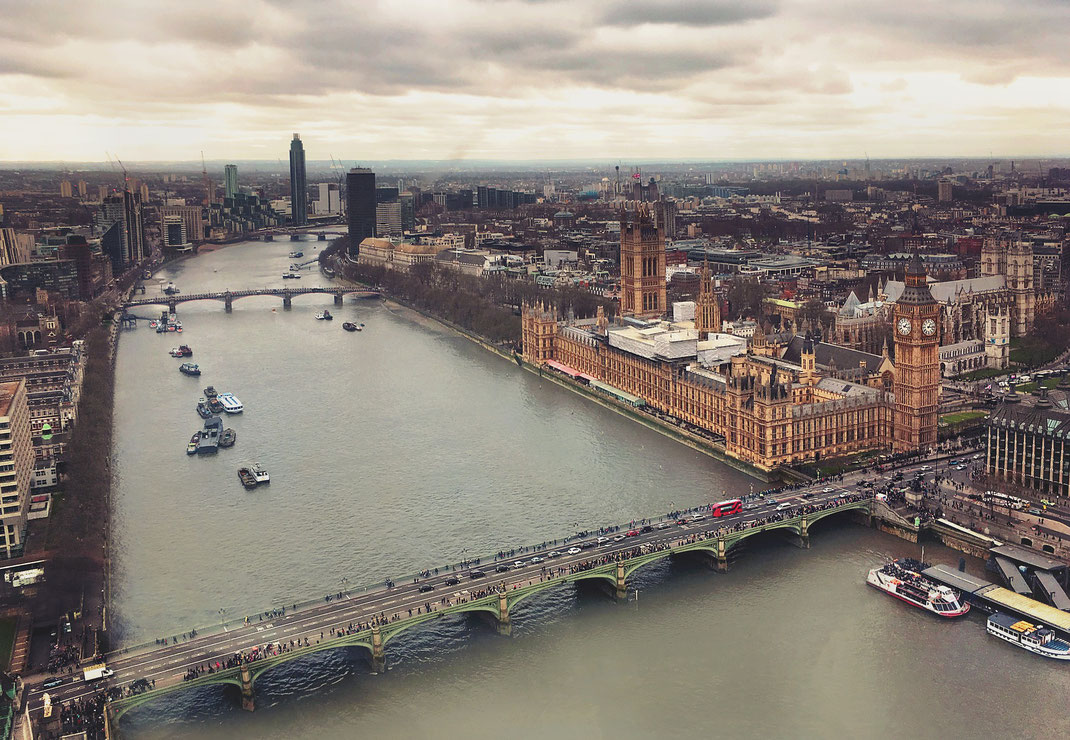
x,y
686,12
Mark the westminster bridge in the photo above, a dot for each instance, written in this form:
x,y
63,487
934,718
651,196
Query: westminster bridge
x,y
239,653
229,296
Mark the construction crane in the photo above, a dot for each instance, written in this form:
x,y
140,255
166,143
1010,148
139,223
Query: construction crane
x,y
125,178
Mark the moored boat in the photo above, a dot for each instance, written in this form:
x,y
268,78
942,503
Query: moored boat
x,y
350,326
181,351
215,406
260,474
253,476
191,448
228,438
188,368
230,402
210,392
203,411
1032,637
903,579
209,441
326,315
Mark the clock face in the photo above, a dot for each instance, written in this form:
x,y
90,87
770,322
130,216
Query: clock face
x,y
903,326
929,327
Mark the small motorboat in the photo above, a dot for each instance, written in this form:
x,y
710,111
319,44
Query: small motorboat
x,y
188,368
228,438
215,405
181,351
191,448
210,392
325,316
203,411
350,326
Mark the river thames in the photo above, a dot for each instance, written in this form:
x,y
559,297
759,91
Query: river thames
x,y
405,446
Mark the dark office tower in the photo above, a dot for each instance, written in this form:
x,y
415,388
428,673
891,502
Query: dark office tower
x,y
360,206
298,187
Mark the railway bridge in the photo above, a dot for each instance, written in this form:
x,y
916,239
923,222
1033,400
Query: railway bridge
x,y
228,297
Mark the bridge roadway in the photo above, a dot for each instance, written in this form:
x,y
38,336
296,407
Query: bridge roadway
x,y
168,664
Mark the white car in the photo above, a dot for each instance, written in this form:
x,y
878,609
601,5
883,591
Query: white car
x,y
573,551
519,564
826,489
960,467
536,560
603,540
785,505
925,467
552,554
618,538
663,525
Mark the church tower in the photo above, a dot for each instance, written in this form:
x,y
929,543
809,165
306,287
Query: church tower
x,y
707,307
917,362
1020,282
642,266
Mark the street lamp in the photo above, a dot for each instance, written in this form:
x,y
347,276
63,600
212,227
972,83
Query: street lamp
x,y
222,618
345,585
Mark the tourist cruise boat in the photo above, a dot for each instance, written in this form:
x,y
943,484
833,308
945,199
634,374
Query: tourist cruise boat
x,y
231,404
903,580
1034,638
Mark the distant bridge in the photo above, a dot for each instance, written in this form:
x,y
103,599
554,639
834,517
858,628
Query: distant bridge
x,y
228,297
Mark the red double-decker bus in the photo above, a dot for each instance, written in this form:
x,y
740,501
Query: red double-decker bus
x,y
727,508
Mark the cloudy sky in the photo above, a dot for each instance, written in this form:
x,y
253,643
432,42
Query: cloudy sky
x,y
541,79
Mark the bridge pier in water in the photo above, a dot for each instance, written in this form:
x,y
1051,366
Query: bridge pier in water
x,y
504,625
378,654
338,299
287,301
228,302
622,583
247,688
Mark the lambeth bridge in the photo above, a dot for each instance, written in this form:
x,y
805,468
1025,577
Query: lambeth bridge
x,y
240,652
229,296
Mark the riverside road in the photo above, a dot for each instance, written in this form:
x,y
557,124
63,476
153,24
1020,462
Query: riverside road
x,y
168,663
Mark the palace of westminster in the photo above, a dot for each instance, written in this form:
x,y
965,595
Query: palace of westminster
x,y
775,399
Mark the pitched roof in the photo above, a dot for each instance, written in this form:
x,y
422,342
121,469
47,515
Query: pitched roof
x,y
826,354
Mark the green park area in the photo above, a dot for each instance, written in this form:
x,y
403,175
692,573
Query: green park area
x,y
962,417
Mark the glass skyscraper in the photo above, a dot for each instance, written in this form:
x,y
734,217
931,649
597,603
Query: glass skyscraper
x,y
230,178
298,187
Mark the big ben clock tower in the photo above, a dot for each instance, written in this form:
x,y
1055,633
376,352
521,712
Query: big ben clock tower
x,y
917,362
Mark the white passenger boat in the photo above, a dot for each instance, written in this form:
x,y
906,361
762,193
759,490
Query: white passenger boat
x,y
1034,638
230,402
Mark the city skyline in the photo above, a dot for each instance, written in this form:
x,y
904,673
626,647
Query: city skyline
x,y
676,79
